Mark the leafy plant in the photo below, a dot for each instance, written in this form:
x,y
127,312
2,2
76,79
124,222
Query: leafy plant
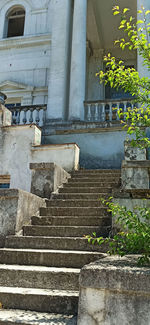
x,y
137,37
134,236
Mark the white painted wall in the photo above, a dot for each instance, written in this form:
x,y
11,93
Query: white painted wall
x,y
64,155
21,145
26,59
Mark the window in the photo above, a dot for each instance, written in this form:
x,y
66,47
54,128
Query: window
x,y
15,22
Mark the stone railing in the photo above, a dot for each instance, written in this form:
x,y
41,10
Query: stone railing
x,y
105,110
35,114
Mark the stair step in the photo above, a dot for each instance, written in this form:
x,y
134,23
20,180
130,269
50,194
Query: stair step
x,y
74,203
40,277
97,171
24,317
80,196
71,221
74,211
65,231
97,180
58,243
41,300
98,190
90,184
52,258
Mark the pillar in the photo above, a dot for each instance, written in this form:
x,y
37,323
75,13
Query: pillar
x,y
78,61
57,86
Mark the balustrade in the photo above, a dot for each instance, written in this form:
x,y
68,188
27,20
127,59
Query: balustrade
x,y
105,110
34,114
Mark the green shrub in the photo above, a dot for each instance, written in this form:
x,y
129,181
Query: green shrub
x,y
134,236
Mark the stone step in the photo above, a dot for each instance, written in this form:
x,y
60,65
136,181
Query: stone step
x,y
97,171
74,211
90,184
71,221
74,203
41,277
41,300
96,179
24,317
80,196
64,231
58,243
52,258
99,190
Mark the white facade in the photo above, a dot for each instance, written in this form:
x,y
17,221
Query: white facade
x,y
55,62
25,60
62,48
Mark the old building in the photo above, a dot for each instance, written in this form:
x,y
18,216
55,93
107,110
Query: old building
x,y
50,52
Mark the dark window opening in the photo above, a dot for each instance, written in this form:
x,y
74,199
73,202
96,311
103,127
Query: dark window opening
x,y
16,21
3,186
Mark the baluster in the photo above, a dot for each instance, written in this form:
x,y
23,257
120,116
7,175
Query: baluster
x,y
89,112
25,116
118,107
37,119
13,116
125,109
44,115
96,115
110,111
31,116
103,115
18,116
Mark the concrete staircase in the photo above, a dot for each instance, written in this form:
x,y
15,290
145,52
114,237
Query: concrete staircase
x,y
39,271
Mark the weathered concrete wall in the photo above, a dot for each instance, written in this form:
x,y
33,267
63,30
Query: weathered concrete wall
x,y
133,153
17,144
135,174
64,155
130,204
46,178
21,145
100,148
16,209
114,290
135,168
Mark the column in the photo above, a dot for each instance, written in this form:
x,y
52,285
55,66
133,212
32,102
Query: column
x,y
57,86
143,71
78,61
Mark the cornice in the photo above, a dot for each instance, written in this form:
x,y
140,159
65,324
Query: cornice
x,y
25,41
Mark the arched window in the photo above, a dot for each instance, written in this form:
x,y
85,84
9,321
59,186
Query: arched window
x,y
15,21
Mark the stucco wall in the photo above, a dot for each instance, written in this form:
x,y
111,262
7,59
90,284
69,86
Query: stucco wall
x,y
17,207
100,149
66,155
114,291
21,145
17,143
46,178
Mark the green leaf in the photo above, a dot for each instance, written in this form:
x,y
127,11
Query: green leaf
x,y
116,13
147,12
125,10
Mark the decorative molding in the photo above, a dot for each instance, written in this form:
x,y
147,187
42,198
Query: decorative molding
x,y
12,86
25,93
39,11
25,41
